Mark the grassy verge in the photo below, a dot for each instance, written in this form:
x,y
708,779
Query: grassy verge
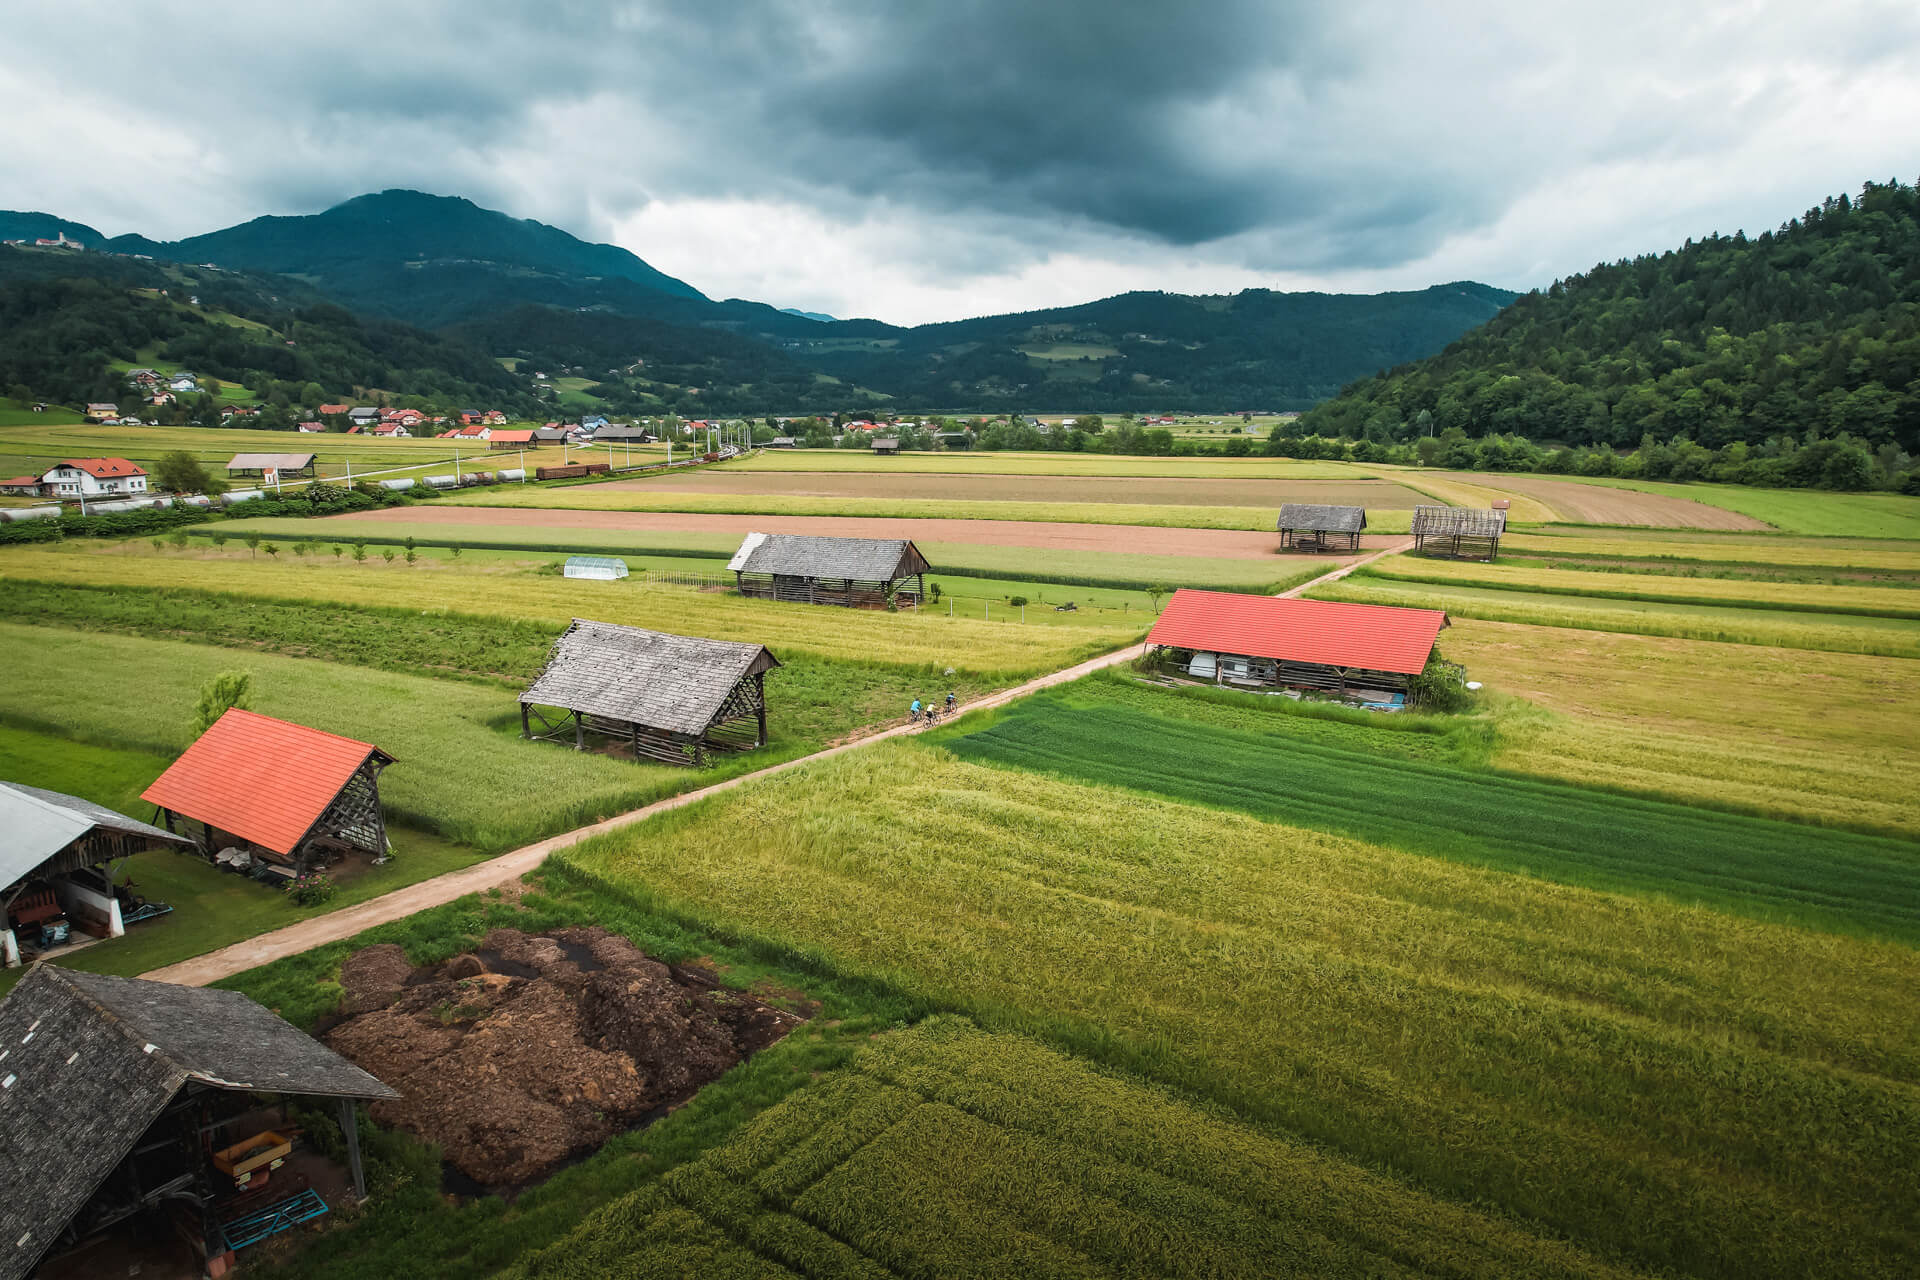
x,y
1673,1085
1712,592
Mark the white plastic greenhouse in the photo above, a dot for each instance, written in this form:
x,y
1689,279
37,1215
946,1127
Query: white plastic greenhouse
x,y
602,568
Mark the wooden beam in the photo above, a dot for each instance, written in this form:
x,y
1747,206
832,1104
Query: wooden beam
x,y
526,730
350,1130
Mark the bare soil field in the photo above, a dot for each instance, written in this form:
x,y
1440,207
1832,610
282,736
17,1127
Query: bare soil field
x,y
1132,490
1223,543
1597,504
532,1050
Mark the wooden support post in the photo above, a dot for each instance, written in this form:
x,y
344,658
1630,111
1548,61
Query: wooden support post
x,y
760,705
579,732
526,730
350,1130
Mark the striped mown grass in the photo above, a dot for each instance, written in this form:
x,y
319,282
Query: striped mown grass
x,y
1696,1091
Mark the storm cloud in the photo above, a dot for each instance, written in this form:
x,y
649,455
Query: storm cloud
x,y
922,162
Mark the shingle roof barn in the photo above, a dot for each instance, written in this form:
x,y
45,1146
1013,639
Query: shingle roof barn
x,y
42,825
270,462
262,779
1465,522
676,683
858,559
1372,637
90,1061
1321,517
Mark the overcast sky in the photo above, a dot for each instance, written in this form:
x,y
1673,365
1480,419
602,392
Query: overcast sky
x,y
919,163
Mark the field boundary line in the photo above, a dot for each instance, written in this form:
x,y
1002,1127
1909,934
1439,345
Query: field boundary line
x,y
1334,575
336,926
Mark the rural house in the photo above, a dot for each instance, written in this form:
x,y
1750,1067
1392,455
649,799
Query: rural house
x,y
93,478
334,410
102,412
520,439
20,487
1368,652
58,861
863,573
282,795
137,1106
363,416
670,698
1458,533
1312,526
311,428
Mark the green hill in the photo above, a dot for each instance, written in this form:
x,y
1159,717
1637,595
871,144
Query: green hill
x,y
1812,329
44,226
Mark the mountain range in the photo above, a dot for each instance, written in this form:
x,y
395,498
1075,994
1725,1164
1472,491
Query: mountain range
x,y
642,340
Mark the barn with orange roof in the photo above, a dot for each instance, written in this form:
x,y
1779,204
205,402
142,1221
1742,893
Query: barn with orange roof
x,y
253,789
1368,652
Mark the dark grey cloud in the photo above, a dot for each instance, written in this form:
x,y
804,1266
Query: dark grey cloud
x,y
980,138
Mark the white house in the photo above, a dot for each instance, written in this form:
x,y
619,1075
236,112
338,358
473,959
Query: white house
x,y
182,382
93,478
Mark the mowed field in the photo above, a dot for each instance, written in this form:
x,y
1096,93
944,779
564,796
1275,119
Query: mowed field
x,y
750,479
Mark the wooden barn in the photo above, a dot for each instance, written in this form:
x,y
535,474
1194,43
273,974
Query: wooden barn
x,y
1458,533
157,1112
675,699
886,444
265,465
1368,652
861,573
58,860
256,790
1313,526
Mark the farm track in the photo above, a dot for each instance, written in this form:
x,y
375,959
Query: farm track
x,y
339,925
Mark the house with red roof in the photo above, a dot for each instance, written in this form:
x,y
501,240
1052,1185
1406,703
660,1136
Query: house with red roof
x,y
20,487
333,410
1367,652
93,478
393,431
253,789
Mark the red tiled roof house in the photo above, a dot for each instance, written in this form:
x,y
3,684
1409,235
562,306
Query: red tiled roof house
x,y
279,793
1365,651
93,478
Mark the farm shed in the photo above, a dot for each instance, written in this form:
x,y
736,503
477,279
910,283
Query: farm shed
x,y
267,791
862,573
57,865
599,568
1458,533
886,444
126,1099
1353,650
1314,526
671,698
263,464
522,439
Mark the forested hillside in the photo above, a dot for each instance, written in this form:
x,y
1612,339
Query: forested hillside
x,y
67,318
1809,331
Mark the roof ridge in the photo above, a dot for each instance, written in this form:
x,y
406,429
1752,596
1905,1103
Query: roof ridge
x,y
118,1023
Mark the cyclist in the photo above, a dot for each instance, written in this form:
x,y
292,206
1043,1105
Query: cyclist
x,y
913,716
949,702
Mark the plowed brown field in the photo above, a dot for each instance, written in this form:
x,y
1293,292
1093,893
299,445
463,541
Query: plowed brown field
x,y
1598,504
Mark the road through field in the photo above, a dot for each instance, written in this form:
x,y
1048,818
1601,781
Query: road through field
x,y
1229,544
508,867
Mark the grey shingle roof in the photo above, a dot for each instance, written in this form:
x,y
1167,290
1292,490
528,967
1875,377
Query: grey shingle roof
x,y
1322,518
39,824
88,1061
1465,522
803,556
662,681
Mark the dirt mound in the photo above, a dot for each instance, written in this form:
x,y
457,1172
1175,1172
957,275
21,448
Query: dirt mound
x,y
535,1049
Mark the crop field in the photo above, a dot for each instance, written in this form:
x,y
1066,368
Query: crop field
x,y
1834,632
1773,870
1505,575
1807,511
1052,464
1581,501
1016,1159
1717,551
1664,1084
905,639
1817,737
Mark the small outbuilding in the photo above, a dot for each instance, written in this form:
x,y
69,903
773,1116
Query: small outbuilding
x,y
675,699
596,568
1368,652
265,465
1313,526
1458,533
523,438
886,444
861,573
256,790
59,857
124,1100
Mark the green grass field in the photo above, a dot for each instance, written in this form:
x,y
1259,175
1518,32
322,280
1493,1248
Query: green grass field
x,y
1839,633
1013,564
1772,870
1050,464
1655,1082
1807,511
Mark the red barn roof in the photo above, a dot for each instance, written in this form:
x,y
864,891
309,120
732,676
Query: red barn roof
x,y
513,437
1375,637
262,779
